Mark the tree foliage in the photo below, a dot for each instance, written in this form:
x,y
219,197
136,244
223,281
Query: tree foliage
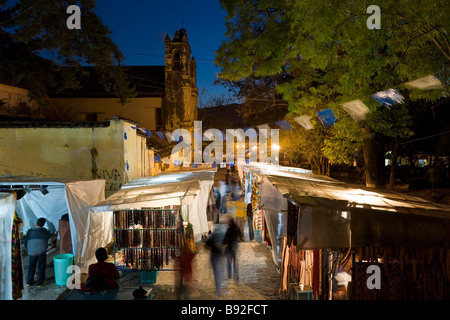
x,y
328,56
36,48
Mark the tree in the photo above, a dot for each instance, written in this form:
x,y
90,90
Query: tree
x,y
38,51
332,57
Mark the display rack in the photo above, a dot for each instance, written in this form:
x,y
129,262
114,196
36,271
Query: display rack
x,y
146,239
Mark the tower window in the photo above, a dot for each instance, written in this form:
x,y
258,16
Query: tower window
x,y
176,61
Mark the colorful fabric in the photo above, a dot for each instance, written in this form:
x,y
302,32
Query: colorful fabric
x,y
16,259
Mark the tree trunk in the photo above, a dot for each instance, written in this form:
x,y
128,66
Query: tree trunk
x,y
373,151
393,165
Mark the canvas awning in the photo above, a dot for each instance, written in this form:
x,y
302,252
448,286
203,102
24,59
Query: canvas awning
x,y
172,188
337,214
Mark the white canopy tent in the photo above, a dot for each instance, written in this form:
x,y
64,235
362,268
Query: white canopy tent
x,y
7,208
51,198
188,189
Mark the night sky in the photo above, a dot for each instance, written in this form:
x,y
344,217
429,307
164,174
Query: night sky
x,y
139,28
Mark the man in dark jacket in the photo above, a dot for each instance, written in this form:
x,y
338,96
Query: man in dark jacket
x,y
36,243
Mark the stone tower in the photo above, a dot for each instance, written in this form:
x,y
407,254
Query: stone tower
x,y
181,92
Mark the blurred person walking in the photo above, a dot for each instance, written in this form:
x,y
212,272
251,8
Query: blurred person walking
x,y
216,261
231,240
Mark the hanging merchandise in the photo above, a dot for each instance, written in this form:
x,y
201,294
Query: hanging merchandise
x,y
147,239
410,273
256,206
16,259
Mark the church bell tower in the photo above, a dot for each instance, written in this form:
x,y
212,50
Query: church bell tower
x,y
181,92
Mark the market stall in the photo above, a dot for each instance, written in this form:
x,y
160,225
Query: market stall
x,y
51,199
268,204
335,226
148,217
7,208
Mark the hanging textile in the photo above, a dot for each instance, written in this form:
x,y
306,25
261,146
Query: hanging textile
x,y
292,221
16,259
65,240
294,263
256,204
266,234
406,274
284,269
316,274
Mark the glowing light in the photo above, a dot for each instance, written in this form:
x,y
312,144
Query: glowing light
x,y
275,147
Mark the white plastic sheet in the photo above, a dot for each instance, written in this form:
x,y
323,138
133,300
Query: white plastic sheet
x,y
198,210
34,205
99,233
277,226
7,207
80,196
72,197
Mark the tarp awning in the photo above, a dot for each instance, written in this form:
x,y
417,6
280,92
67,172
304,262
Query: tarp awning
x,y
171,188
174,193
315,190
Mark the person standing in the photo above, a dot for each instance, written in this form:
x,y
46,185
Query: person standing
x,y
36,243
251,234
241,215
231,238
223,197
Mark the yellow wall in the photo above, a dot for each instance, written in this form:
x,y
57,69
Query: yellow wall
x,y
141,110
67,153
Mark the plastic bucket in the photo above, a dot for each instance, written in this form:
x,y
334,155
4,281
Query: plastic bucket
x,y
61,262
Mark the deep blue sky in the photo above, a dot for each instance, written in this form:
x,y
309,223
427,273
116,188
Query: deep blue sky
x,y
139,26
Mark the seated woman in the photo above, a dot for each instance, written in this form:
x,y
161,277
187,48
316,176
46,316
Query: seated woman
x,y
101,275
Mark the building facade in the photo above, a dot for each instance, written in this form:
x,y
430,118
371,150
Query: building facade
x,y
166,96
114,150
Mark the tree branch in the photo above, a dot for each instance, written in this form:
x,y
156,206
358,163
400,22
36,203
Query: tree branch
x,y
426,33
